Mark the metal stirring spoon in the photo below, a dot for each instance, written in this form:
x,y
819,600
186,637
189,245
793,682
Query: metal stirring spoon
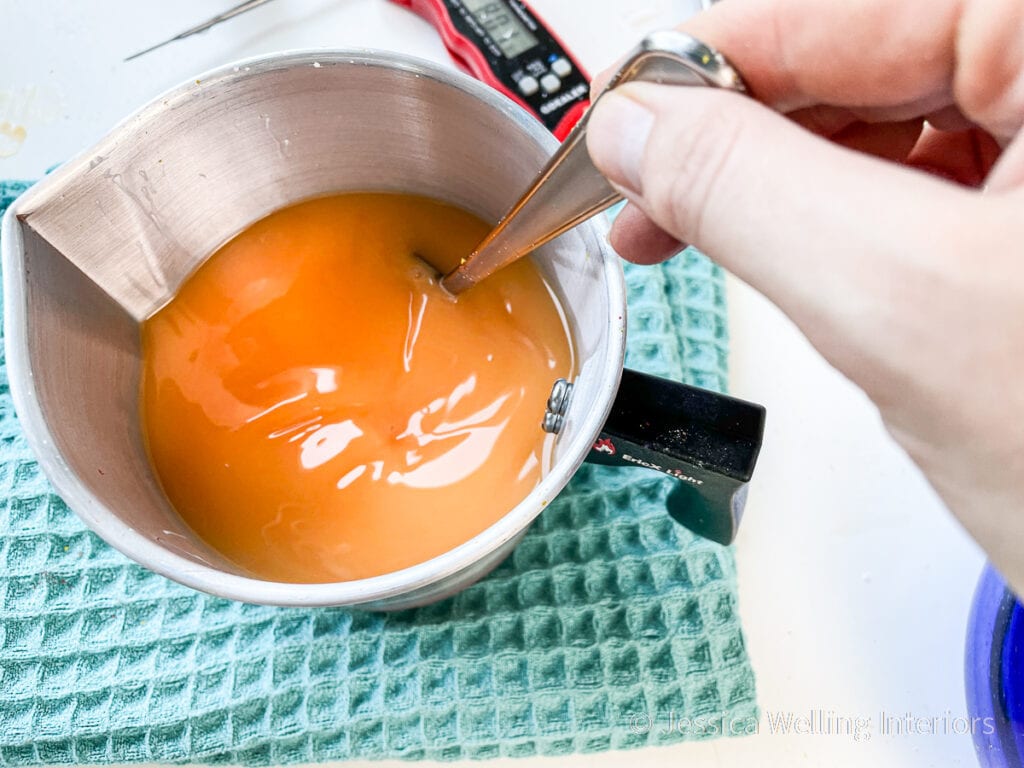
x,y
569,189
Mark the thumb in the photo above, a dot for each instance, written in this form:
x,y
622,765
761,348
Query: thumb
x,y
823,231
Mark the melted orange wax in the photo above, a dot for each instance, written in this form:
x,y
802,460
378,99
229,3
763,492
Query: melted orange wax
x,y
318,409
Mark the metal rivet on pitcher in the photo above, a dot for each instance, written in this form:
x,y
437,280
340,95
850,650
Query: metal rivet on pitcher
x,y
558,403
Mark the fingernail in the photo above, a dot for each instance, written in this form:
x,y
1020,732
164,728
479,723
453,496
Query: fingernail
x,y
616,137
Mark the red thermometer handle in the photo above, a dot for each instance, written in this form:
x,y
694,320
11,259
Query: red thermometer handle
x,y
505,44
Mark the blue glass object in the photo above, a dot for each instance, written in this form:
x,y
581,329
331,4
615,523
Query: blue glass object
x,y
994,673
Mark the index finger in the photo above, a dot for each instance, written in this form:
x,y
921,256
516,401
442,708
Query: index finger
x,y
913,56
795,54
869,53
882,59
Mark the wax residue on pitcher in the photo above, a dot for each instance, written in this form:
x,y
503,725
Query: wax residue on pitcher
x,y
318,409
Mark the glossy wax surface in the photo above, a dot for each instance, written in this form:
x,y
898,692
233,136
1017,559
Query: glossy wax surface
x,y
318,409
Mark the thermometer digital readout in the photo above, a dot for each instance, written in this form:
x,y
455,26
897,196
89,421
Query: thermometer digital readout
x,y
505,44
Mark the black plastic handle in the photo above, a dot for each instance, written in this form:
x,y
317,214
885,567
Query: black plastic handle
x,y
709,442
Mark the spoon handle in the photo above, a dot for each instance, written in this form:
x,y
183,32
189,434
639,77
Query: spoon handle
x,y
570,189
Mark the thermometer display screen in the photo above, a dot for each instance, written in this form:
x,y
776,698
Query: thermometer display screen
x,y
504,28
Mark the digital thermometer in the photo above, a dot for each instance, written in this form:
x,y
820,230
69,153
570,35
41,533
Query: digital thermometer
x,y
501,42
505,44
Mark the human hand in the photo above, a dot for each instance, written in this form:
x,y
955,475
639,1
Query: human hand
x,y
847,194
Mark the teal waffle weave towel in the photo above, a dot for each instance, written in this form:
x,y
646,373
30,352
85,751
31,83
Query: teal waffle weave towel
x,y
607,618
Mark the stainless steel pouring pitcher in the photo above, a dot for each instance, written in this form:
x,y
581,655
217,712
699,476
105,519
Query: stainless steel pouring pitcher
x,y
100,244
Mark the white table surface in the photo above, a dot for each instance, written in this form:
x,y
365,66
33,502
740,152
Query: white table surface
x,y
854,581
